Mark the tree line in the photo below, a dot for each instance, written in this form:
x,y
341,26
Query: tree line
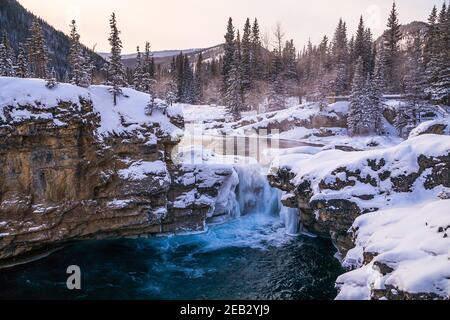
x,y
253,72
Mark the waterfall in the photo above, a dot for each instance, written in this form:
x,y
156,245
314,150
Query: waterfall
x,y
291,220
254,195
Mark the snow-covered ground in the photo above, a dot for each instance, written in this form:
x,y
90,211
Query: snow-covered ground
x,y
412,241
29,99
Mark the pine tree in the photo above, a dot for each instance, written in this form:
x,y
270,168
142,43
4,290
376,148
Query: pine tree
x,y
170,94
360,45
51,82
6,58
233,95
440,88
340,59
147,79
256,57
199,80
116,71
22,63
88,68
138,72
229,55
37,51
246,60
188,82
392,40
76,58
357,100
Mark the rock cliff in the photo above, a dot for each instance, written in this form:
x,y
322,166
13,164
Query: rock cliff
x,y
73,166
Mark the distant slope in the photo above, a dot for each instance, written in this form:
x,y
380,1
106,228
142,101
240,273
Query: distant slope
x,y
15,20
408,31
164,57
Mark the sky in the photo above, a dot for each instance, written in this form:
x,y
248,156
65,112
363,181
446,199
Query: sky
x,y
182,24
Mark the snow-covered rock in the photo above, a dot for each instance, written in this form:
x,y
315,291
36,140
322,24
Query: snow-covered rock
x,y
394,194
438,126
400,253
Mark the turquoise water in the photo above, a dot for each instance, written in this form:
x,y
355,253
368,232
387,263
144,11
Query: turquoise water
x,y
248,258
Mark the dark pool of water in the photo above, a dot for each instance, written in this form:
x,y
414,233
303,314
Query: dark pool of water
x,y
249,258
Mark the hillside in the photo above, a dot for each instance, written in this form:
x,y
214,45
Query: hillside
x,y
15,20
164,57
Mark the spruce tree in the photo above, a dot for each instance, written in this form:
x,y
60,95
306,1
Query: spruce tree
x,y
51,82
147,79
138,72
37,51
188,82
199,80
88,68
440,88
256,57
76,58
6,58
229,55
233,95
357,100
246,60
392,39
340,59
22,63
116,71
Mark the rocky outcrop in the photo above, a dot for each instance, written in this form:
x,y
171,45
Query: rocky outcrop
x,y
333,189
63,178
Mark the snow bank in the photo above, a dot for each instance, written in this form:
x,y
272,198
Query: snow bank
x,y
414,244
426,127
325,169
31,100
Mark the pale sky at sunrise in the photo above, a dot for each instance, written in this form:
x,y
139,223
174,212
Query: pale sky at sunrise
x,y
182,24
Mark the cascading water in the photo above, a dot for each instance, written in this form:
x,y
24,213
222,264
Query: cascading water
x,y
255,196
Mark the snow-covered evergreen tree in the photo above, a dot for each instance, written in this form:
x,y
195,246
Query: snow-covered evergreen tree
x,y
246,60
392,39
51,81
199,80
233,95
76,58
229,55
22,63
256,56
358,100
171,92
340,58
37,51
138,72
188,82
6,58
148,82
116,71
88,68
440,88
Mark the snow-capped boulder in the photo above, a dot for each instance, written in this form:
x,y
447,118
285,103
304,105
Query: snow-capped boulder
x,y
439,126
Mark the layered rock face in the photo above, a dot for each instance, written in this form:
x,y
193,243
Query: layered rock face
x,y
333,188
66,176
